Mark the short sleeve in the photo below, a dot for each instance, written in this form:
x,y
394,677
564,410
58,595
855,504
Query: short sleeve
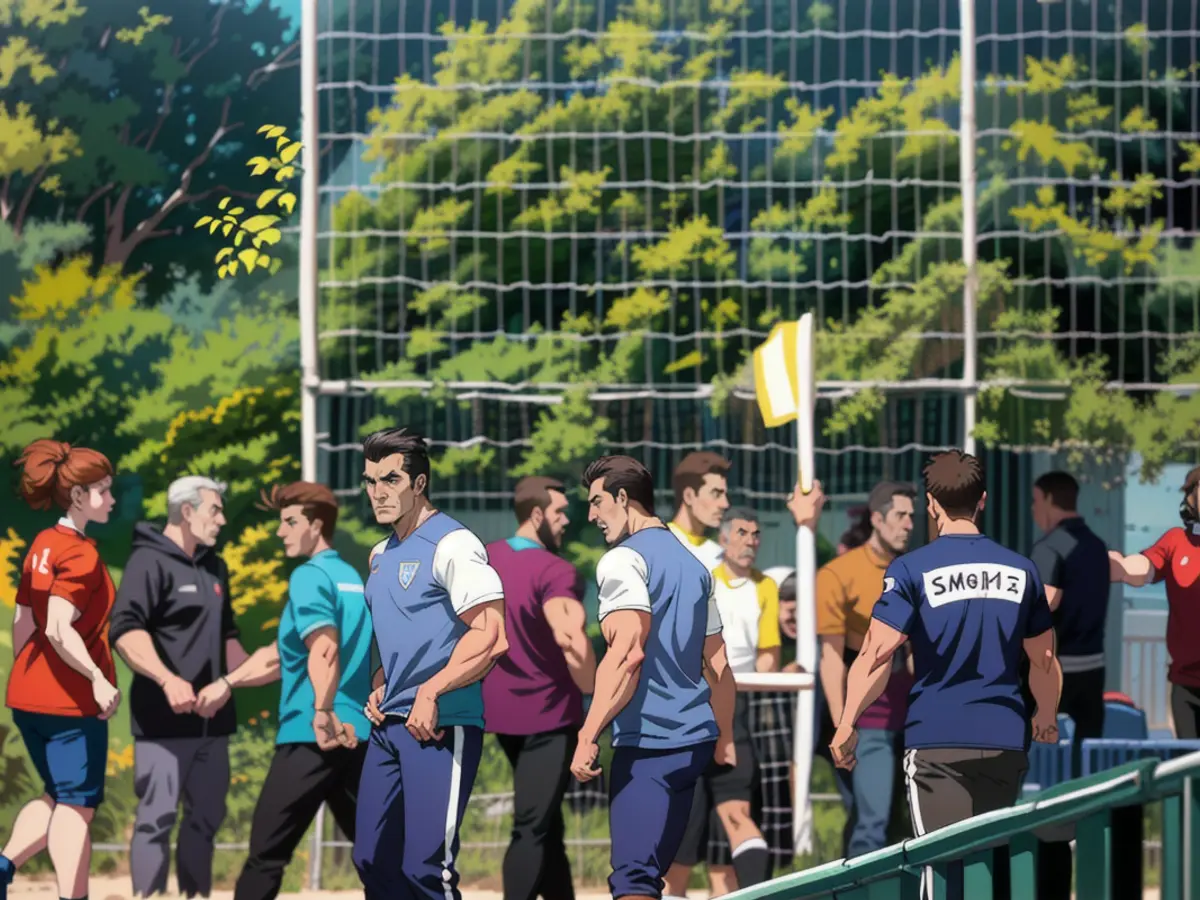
x,y
1040,618
714,624
622,577
1160,554
768,619
561,580
74,573
1048,561
897,605
313,600
461,567
830,603
136,596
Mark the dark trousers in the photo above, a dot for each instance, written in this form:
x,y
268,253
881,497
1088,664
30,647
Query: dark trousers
x,y
536,862
1185,710
300,779
411,803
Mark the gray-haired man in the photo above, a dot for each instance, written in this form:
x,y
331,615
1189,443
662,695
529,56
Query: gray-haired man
x,y
173,624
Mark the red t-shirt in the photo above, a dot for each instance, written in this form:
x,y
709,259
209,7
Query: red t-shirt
x,y
1176,560
63,563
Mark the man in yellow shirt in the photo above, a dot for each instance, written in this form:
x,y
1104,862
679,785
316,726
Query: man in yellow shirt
x,y
847,588
723,829
701,498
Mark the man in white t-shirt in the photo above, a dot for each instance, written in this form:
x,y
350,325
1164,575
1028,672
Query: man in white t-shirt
x,y
701,498
727,804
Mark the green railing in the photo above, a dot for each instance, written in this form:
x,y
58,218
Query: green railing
x,y
1087,804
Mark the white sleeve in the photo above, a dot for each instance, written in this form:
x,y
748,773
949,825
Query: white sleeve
x,y
714,614
460,565
376,550
622,576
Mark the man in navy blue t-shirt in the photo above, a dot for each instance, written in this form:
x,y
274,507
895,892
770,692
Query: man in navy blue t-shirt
x,y
970,609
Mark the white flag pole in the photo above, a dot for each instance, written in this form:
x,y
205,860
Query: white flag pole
x,y
806,576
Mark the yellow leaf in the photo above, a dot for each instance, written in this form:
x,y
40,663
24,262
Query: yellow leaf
x,y
249,258
289,152
690,361
272,131
238,238
259,164
255,224
281,143
224,252
265,261
267,236
237,210
284,174
267,196
233,267
264,128
224,203
287,202
213,226
226,228
203,220
222,271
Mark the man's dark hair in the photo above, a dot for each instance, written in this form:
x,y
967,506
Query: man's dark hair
x,y
956,481
860,529
622,473
533,492
1061,489
745,513
411,446
693,468
884,494
787,590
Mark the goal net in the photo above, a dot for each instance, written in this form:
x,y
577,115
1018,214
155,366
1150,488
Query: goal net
x,y
550,230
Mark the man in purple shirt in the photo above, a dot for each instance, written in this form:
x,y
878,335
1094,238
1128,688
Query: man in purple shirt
x,y
533,698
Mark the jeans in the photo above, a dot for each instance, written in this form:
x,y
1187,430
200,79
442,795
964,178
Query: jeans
x,y
867,791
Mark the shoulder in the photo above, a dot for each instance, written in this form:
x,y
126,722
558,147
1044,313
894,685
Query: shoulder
x,y
460,540
72,548
841,567
622,562
377,549
1173,537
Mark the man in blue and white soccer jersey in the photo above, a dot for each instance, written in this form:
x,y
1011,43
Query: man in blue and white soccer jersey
x,y
664,683
438,613
969,609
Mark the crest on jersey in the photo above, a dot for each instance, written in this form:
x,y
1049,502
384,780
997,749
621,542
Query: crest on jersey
x,y
889,585
408,571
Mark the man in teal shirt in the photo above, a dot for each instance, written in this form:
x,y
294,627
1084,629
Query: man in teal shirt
x,y
322,659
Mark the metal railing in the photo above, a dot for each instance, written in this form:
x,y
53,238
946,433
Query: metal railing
x,y
964,852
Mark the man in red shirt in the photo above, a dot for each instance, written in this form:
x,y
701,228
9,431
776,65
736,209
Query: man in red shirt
x,y
1175,559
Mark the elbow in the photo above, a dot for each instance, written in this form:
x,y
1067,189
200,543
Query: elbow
x,y
631,661
499,644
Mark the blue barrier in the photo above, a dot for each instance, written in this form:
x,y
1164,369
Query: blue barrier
x,y
1101,754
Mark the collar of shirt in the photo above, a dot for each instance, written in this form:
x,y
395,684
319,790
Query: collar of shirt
x,y
695,540
65,522
517,542
1195,529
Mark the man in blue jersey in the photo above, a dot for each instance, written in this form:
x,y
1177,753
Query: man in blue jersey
x,y
438,611
322,659
664,683
969,609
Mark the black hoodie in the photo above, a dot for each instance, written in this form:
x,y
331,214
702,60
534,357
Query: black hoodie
x,y
183,603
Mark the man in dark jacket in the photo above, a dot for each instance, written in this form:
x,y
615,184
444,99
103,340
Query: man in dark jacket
x,y
173,624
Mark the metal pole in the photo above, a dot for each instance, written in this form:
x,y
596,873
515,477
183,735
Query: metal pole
x,y
966,164
318,848
1189,867
310,377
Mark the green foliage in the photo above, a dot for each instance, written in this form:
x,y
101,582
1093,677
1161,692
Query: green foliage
x,y
249,237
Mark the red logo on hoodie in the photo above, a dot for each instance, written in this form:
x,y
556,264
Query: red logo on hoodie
x,y
217,588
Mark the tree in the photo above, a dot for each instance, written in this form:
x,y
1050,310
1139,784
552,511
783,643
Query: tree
x,y
136,110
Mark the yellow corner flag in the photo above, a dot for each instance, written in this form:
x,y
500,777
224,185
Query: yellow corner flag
x,y
776,377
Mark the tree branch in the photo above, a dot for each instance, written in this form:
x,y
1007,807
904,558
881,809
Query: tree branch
x,y
23,207
169,89
92,198
261,74
119,246
5,209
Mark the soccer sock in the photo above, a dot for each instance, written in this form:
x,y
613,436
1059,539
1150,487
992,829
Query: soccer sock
x,y
752,862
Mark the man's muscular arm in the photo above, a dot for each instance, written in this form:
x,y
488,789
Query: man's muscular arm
x,y
625,631
476,651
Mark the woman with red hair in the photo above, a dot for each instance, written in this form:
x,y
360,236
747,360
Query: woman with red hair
x,y
62,686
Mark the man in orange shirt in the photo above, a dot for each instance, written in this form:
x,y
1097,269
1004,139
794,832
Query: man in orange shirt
x,y
847,588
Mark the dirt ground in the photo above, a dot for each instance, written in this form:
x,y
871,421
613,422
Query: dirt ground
x,y
118,889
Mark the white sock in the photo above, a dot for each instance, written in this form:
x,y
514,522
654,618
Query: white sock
x,y
751,844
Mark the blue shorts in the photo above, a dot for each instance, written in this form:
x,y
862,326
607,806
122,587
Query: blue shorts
x,y
650,801
70,754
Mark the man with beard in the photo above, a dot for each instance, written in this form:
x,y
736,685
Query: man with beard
x,y
847,589
533,698
438,612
